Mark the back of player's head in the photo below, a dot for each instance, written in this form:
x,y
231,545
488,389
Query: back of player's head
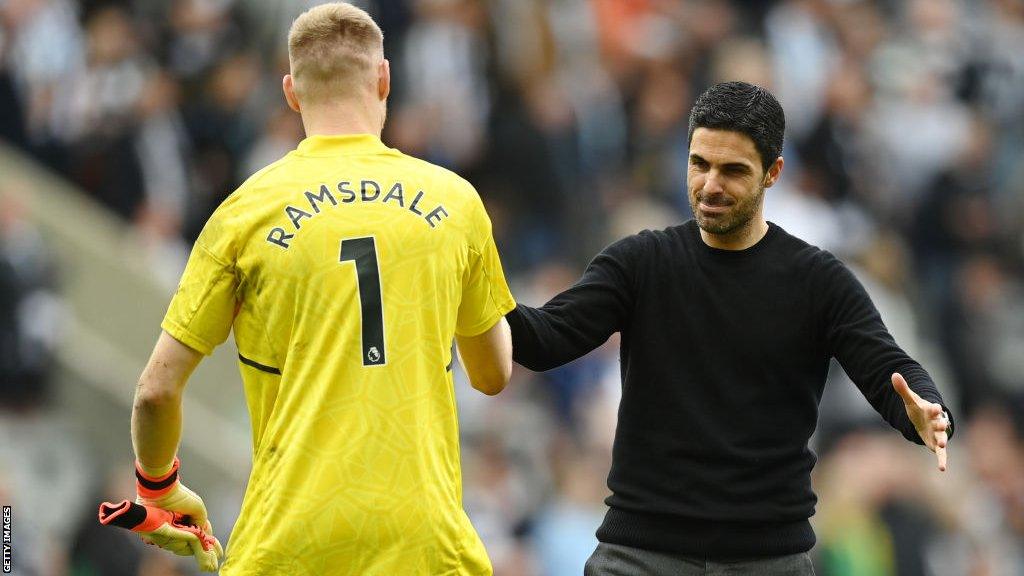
x,y
744,108
333,50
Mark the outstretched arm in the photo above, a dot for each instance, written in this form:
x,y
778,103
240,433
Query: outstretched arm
x,y
895,385
581,318
156,412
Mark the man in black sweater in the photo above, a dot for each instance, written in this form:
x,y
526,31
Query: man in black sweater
x,y
728,324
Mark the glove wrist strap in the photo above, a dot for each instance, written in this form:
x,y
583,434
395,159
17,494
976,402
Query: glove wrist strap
x,y
156,486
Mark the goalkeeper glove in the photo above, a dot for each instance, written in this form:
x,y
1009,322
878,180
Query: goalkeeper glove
x,y
167,492
162,525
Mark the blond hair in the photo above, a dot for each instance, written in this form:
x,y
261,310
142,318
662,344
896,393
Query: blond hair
x,y
332,50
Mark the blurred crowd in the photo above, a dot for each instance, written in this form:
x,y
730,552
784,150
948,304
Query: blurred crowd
x,y
904,141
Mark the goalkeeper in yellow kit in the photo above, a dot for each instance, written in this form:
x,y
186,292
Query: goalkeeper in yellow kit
x,y
346,269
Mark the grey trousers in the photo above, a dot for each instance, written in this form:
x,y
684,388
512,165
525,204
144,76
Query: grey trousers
x,y
615,560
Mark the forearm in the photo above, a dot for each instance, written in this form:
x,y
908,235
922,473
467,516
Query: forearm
x,y
487,358
870,360
870,356
526,347
579,319
541,343
867,351
156,430
156,411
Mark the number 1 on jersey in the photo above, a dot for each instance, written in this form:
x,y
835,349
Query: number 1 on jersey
x,y
363,251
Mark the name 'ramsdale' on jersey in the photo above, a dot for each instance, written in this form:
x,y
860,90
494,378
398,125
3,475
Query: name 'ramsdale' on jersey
x,y
369,191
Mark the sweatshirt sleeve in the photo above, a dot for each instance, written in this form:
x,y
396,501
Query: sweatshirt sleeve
x,y
859,340
581,318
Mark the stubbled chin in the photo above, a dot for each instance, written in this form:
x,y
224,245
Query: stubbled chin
x,y
715,223
712,227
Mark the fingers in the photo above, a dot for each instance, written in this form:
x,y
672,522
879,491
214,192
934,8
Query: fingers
x,y
928,418
208,560
938,445
940,454
909,397
194,544
173,544
939,422
218,547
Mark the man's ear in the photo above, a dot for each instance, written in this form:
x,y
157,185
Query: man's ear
x,y
774,171
288,85
383,79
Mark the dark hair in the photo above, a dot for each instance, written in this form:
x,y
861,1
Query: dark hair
x,y
744,108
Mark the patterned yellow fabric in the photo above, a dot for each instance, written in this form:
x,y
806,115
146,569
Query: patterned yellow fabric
x,y
345,269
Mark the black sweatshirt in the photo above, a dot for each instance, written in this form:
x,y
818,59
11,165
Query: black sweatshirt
x,y
724,356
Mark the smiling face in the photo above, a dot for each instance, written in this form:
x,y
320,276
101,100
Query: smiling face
x,y
725,181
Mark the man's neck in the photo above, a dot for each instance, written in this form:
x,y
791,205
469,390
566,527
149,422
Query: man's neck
x,y
339,120
740,239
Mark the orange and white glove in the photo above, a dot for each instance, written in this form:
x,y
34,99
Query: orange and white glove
x,y
168,493
158,525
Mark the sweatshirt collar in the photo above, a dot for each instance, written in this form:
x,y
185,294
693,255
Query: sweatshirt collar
x,y
773,231
340,145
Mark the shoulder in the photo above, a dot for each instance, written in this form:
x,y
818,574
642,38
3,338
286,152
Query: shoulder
x,y
632,251
457,194
236,213
804,256
268,175
438,174
459,197
240,201
824,271
651,242
631,245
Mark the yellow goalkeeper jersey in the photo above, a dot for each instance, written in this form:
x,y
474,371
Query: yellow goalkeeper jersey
x,y
345,269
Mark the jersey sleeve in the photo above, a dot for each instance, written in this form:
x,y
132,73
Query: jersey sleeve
x,y
582,317
485,294
859,340
203,307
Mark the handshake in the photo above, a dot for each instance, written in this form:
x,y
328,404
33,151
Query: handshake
x,y
168,515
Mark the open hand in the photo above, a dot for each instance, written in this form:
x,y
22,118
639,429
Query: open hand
x,y
928,418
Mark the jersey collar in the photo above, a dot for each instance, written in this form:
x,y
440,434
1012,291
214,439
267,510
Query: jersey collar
x,y
340,145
